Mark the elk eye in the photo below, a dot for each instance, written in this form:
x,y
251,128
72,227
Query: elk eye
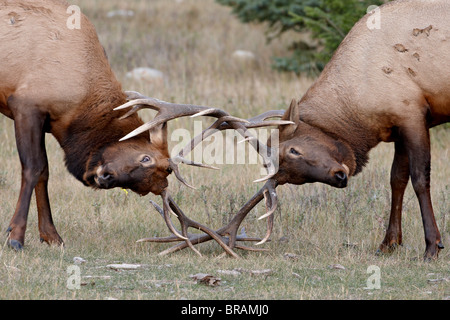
x,y
295,152
145,159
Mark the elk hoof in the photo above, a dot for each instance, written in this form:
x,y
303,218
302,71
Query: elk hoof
x,y
53,239
387,249
16,245
432,252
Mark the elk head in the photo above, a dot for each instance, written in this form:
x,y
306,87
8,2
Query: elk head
x,y
307,154
140,164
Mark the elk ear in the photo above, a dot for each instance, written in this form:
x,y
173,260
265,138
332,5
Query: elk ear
x,y
291,114
158,137
286,131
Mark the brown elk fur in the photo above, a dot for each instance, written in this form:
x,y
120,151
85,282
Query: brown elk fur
x,y
382,85
58,80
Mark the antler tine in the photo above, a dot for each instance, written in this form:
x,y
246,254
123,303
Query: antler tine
x,y
133,95
167,111
166,211
262,120
271,200
175,161
175,170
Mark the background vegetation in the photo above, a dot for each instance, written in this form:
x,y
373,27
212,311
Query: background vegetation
x,y
321,25
330,235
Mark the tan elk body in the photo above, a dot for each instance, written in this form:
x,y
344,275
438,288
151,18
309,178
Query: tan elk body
x,y
55,78
389,81
389,84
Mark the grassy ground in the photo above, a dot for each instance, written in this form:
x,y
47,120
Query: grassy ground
x,y
332,234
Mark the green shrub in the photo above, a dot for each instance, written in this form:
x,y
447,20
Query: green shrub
x,y
328,21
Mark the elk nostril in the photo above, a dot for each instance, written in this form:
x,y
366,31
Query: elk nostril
x,y
341,175
106,177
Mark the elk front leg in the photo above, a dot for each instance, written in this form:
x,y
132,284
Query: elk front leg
x,y
399,181
29,136
417,142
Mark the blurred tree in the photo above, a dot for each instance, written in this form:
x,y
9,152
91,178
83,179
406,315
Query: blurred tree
x,y
327,21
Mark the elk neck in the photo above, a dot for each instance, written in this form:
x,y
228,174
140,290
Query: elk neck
x,y
326,106
95,126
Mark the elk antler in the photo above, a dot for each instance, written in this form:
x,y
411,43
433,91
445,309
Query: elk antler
x,y
229,230
267,192
168,111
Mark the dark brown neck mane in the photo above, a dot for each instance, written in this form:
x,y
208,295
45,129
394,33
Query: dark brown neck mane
x,y
97,127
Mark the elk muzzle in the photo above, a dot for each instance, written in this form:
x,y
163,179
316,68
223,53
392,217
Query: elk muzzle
x,y
339,176
104,178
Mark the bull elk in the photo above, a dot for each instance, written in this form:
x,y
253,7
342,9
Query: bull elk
x,y
58,80
387,84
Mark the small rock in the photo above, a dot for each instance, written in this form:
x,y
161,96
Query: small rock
x,y
337,266
78,260
120,13
264,272
230,272
439,280
146,74
243,55
124,266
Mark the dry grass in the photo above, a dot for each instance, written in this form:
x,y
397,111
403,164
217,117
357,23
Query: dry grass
x,y
192,42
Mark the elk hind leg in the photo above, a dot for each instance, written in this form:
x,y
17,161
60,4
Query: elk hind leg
x,y
47,230
417,141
